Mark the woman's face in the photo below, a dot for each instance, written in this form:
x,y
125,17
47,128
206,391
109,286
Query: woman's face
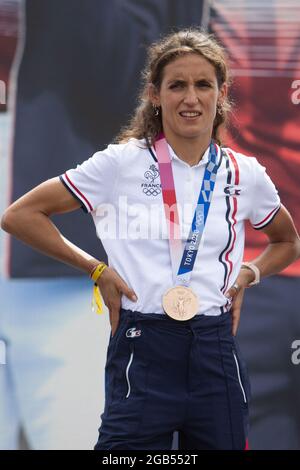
x,y
188,97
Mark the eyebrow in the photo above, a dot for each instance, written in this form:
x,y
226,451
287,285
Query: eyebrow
x,y
180,79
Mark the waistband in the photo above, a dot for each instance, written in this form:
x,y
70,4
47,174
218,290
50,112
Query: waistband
x,y
197,320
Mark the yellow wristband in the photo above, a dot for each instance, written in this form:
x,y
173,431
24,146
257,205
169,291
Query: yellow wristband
x,y
96,273
97,303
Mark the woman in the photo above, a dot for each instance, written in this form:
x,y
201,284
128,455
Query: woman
x,y
169,205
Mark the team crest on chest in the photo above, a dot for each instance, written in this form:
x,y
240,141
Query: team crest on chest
x,y
151,187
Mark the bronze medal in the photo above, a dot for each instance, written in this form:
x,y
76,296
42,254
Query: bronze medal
x,y
180,303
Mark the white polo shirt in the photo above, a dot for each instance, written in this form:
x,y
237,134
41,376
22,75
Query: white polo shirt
x,y
120,187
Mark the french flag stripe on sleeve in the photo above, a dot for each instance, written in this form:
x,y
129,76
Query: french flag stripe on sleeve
x,y
267,219
77,193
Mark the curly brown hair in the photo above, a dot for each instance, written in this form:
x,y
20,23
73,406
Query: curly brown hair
x,y
145,124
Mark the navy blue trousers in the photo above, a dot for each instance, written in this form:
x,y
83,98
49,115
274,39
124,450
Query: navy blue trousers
x,y
163,375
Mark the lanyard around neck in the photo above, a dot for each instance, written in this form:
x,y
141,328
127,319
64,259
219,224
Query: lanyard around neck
x,y
183,259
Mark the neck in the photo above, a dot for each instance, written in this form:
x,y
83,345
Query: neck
x,y
189,150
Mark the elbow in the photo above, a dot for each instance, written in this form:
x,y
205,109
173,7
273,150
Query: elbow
x,y
7,221
298,247
295,247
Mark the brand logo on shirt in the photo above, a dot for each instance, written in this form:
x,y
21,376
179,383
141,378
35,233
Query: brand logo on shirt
x,y
232,191
133,332
151,188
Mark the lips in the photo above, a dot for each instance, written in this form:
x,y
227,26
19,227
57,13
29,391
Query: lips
x,y
190,114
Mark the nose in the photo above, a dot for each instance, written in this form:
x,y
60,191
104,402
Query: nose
x,y
191,97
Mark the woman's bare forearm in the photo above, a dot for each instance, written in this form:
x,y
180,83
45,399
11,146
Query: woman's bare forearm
x,y
38,231
276,257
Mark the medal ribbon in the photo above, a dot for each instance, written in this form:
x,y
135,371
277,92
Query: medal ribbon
x,y
183,259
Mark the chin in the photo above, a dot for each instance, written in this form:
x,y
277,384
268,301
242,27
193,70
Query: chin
x,y
191,134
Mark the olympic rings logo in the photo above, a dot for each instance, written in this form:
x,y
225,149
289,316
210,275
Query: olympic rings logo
x,y
151,191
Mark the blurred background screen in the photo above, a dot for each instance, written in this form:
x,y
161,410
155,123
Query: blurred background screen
x,y
69,80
